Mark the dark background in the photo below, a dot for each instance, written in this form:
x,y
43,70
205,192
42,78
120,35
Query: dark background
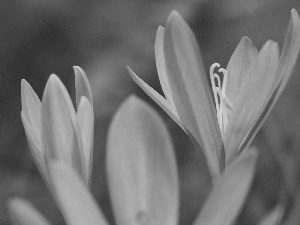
x,y
40,37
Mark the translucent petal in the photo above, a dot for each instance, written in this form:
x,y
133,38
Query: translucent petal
x,y
76,203
24,213
85,117
229,192
191,91
141,160
160,100
254,94
60,136
82,85
31,108
161,65
238,66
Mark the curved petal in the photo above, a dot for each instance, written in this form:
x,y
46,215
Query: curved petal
x,y
286,64
31,108
161,64
85,117
238,66
141,160
160,100
60,136
82,85
256,89
24,213
191,92
229,192
75,201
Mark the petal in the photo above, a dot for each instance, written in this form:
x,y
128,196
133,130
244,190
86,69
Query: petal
x,y
24,213
191,92
85,117
76,203
31,108
160,100
286,64
60,136
256,89
35,148
141,160
229,192
274,217
161,64
82,85
238,66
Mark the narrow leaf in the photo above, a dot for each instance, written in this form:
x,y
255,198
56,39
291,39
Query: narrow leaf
x,y
141,160
191,92
60,136
229,192
85,117
261,76
77,204
82,85
24,213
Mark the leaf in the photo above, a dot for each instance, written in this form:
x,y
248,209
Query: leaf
x,y
191,92
24,213
76,203
141,166
229,192
238,66
85,117
255,91
60,136
82,85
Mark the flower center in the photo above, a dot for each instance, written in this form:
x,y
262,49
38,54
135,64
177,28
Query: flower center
x,y
221,101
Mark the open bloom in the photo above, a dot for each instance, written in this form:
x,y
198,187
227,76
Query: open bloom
x,y
243,94
54,130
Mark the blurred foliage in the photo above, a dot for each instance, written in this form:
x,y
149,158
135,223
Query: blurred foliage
x,y
40,37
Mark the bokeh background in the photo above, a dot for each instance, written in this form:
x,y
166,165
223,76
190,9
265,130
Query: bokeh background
x,y
40,37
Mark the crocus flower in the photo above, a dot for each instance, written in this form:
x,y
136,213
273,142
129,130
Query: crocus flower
x,y
55,131
243,94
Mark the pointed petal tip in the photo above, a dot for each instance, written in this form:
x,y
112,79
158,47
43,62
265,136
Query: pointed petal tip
x,y
175,17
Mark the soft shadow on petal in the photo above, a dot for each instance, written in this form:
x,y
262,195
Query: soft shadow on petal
x,y
85,117
141,160
229,192
31,108
274,217
24,213
254,94
35,148
286,64
75,201
82,85
160,100
191,91
161,64
60,136
238,66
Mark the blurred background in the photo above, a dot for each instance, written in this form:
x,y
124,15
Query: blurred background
x,y
40,37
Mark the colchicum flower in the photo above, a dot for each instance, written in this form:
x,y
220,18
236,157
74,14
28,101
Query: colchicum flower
x,y
55,131
243,94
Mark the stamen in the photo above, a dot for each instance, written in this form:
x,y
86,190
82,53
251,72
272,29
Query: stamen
x,y
221,101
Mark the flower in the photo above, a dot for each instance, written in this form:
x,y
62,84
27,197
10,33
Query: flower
x,y
54,130
225,124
